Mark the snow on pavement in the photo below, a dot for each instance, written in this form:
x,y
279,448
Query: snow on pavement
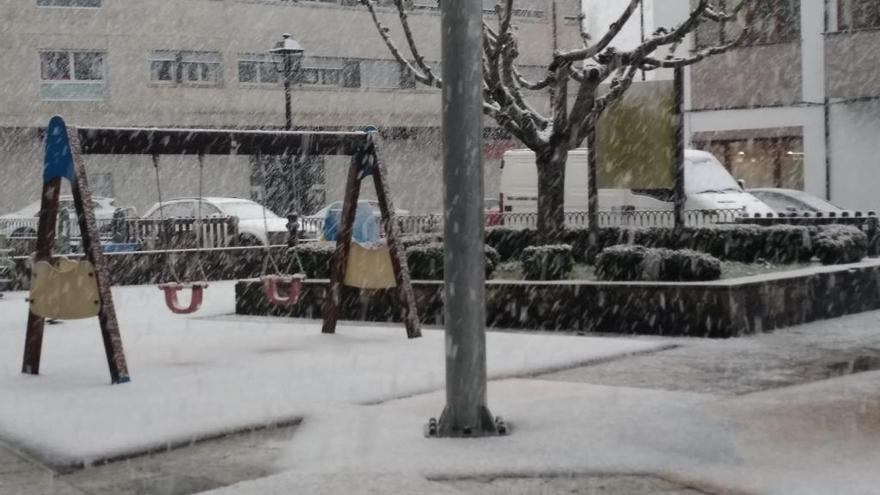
x,y
198,376
817,439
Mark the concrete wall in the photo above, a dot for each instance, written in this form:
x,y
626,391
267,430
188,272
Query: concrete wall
x,y
853,62
855,154
768,75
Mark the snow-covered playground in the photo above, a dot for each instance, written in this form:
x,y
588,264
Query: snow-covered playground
x,y
363,395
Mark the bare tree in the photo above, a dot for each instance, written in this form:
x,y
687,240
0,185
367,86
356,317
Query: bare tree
x,y
580,71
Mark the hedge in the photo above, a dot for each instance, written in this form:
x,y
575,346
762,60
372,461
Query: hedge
x,y
314,257
552,262
629,263
840,244
409,241
744,243
509,243
425,261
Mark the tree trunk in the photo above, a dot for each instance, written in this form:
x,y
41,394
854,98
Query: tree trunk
x,y
592,195
551,195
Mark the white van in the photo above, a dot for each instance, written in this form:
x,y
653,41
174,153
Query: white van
x,y
708,185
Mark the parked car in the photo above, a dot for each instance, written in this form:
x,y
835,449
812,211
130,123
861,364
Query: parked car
x,y
252,229
23,223
312,225
793,201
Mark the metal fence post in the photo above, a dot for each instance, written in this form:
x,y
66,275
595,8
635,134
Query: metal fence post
x,y
466,413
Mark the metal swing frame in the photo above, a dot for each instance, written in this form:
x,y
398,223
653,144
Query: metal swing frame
x,y
361,146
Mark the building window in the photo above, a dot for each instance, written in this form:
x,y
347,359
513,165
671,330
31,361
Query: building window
x,y
257,69
71,75
858,14
383,74
320,71
761,162
186,68
313,71
522,8
69,3
771,21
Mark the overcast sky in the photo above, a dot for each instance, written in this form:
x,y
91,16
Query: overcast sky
x,y
601,13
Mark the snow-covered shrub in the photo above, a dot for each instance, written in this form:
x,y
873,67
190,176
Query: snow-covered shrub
x,y
788,244
553,262
628,263
425,261
839,244
408,241
743,243
315,258
682,265
622,263
510,242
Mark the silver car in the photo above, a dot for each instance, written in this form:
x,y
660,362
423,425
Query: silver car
x,y
793,201
252,228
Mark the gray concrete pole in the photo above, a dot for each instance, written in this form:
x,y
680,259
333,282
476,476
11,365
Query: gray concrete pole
x,y
466,412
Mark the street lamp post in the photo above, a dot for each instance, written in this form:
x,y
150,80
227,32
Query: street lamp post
x,y
286,55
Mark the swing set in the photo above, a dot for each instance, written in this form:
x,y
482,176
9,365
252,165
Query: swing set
x,y
66,289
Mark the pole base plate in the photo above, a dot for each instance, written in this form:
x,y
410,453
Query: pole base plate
x,y
491,427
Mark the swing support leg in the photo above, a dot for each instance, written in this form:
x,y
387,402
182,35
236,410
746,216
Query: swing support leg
x,y
343,242
91,243
33,342
74,170
398,256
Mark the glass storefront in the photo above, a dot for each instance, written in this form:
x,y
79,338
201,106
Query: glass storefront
x,y
761,162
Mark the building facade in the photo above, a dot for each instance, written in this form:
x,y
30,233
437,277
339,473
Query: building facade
x,y
798,104
205,63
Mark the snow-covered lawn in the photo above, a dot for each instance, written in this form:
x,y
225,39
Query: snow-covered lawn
x,y
198,376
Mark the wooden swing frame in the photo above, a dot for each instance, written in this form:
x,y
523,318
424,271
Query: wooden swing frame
x,y
360,146
63,160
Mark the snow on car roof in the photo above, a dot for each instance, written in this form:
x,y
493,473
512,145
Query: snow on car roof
x,y
210,199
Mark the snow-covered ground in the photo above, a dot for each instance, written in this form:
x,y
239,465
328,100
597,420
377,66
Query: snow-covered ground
x,y
365,393
816,439
198,376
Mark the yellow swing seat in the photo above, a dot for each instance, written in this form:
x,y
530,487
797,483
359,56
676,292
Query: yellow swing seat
x,y
369,266
66,291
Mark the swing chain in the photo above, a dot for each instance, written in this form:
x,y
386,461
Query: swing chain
x,y
198,223
170,256
269,257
